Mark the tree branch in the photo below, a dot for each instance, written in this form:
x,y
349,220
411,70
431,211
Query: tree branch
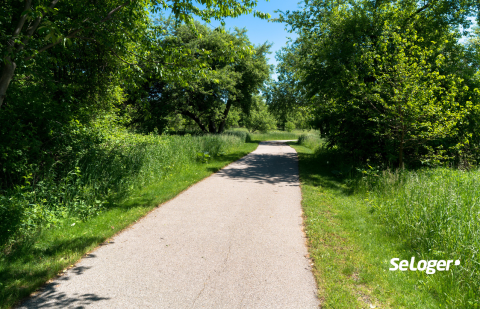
x,y
31,29
419,10
20,24
74,33
195,118
113,52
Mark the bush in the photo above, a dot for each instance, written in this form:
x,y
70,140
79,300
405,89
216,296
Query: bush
x,y
108,171
311,141
289,126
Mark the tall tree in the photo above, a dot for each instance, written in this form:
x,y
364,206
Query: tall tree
x,y
30,27
383,76
64,63
235,71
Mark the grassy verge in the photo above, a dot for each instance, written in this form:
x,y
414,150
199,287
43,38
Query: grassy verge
x,y
275,135
272,135
350,246
30,263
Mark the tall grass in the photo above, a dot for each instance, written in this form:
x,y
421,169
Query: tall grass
x,y
274,135
312,141
432,214
436,213
52,222
99,177
244,135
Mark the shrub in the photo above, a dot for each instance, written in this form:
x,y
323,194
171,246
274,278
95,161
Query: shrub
x,y
289,126
107,171
311,141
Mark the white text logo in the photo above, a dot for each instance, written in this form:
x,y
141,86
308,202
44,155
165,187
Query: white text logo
x,y
431,266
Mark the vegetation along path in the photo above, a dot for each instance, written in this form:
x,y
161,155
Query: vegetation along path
x,y
233,240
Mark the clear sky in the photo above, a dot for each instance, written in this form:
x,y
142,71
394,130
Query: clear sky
x,y
260,31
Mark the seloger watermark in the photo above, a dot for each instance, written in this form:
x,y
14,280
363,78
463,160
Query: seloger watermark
x,y
430,266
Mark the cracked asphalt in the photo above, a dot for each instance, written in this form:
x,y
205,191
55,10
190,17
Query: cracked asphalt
x,y
233,240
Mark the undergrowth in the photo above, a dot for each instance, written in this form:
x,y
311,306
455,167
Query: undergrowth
x,y
429,214
52,222
100,176
436,214
312,141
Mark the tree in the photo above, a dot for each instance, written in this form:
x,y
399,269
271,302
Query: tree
x,y
414,102
65,63
287,104
384,78
235,72
259,118
32,27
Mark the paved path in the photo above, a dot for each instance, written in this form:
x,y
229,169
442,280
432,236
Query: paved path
x,y
234,240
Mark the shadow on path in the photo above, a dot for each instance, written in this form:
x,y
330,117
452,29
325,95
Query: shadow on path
x,y
265,168
49,297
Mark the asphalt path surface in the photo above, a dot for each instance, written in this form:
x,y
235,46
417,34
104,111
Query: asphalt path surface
x,y
233,240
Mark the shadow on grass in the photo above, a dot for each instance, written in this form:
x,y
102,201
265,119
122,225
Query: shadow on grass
x,y
28,251
28,265
329,169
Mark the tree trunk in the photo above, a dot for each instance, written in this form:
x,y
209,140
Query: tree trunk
x,y
196,119
221,128
8,70
9,65
211,127
400,152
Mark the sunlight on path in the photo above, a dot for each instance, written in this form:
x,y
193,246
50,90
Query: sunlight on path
x,y
234,240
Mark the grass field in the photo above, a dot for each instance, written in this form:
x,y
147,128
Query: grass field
x,y
162,172
274,135
357,225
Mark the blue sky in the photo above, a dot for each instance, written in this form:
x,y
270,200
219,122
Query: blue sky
x,y
260,31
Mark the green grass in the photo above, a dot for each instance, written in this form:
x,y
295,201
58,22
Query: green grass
x,y
275,135
357,222
350,247
310,140
153,173
436,214
98,175
271,135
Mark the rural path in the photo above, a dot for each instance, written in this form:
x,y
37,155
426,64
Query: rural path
x,y
233,240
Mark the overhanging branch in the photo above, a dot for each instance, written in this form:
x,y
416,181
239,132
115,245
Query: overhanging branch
x,y
77,31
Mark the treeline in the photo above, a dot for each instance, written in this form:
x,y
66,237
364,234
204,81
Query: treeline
x,y
389,82
88,91
68,68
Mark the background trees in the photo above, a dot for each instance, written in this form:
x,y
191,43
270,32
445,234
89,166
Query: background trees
x,y
32,27
65,65
235,72
259,118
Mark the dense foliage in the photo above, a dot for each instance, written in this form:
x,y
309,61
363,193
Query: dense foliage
x,y
67,70
63,65
102,174
386,80
259,118
235,72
